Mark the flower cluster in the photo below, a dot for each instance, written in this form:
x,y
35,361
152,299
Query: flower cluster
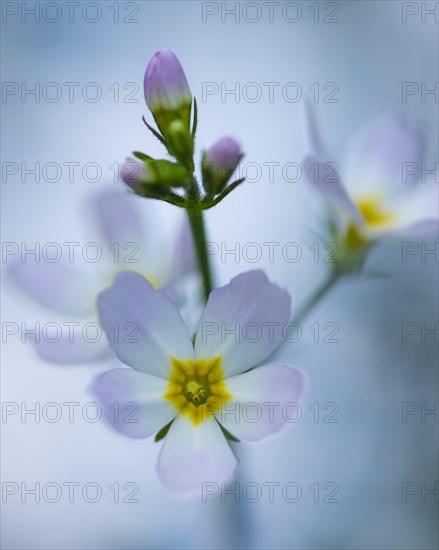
x,y
192,391
170,101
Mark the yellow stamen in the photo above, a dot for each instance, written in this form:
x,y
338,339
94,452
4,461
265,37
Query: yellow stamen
x,y
373,212
374,215
197,388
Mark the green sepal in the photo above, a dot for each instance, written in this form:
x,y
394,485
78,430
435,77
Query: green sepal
x,y
168,174
209,203
155,133
162,433
141,156
181,144
195,121
216,178
165,117
227,434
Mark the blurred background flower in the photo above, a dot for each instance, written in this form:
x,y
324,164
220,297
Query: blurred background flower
x,y
121,243
377,200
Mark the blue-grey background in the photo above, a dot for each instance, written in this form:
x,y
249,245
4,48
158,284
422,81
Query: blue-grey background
x,y
370,452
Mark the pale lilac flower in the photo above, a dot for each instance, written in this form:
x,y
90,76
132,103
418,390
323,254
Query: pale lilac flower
x,y
198,386
68,289
219,162
372,201
167,91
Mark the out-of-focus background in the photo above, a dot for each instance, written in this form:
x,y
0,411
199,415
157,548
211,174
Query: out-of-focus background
x,y
364,473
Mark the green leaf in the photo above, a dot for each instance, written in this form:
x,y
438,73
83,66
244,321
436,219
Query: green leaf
x,y
162,433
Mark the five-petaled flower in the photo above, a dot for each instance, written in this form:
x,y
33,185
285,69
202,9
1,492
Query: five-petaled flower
x,y
201,388
378,200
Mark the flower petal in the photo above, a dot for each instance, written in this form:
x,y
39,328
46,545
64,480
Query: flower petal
x,y
325,178
417,211
133,402
264,401
186,293
243,322
117,218
193,455
377,152
165,83
67,352
56,286
183,258
143,326
315,141
322,173
130,237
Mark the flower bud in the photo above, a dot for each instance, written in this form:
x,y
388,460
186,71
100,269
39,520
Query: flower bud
x,y
219,163
133,173
167,92
153,176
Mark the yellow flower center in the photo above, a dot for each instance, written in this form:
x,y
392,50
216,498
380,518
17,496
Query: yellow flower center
x,y
374,216
197,388
373,212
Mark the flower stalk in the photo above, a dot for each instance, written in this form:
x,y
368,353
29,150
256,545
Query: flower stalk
x,y
320,293
198,229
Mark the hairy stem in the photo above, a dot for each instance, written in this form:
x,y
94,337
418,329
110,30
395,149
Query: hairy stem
x,y
196,221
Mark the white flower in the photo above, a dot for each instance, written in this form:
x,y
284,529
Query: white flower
x,y
372,201
202,386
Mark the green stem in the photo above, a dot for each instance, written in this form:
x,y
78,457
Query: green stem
x,y
199,235
318,295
